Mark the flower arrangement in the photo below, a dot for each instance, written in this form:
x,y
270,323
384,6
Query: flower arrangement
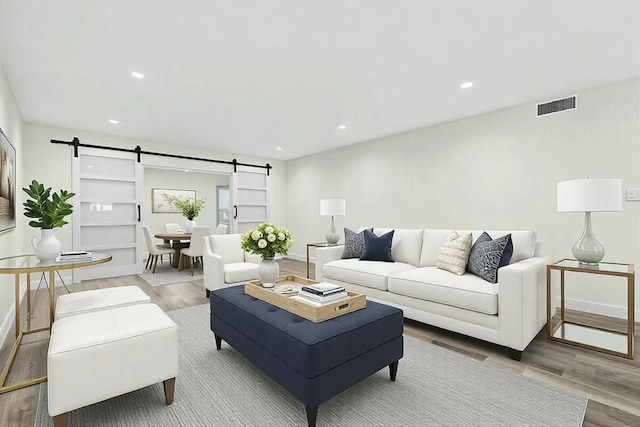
x,y
267,240
189,208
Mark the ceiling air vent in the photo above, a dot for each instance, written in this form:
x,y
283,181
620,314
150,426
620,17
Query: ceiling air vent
x,y
556,106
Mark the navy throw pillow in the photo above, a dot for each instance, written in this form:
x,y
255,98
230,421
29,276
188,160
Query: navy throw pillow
x,y
377,248
487,256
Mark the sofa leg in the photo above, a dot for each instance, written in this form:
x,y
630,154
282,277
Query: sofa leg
x,y
515,354
169,389
218,341
61,420
312,415
208,293
393,370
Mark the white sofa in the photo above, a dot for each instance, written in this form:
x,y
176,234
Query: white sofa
x,y
509,313
225,263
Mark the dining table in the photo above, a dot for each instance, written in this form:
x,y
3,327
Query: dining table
x,y
178,241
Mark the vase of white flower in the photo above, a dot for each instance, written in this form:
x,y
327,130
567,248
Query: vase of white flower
x,y
267,240
268,270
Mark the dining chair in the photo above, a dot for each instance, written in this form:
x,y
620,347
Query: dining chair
x,y
172,227
222,229
154,250
195,249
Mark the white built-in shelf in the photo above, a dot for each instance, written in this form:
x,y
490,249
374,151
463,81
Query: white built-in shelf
x,y
251,188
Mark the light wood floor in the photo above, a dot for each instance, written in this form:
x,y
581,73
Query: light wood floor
x,y
611,383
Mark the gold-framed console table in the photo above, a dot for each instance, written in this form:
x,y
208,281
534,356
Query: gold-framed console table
x,y
28,264
599,338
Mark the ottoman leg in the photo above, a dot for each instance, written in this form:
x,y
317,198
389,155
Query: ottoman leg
x,y
169,388
312,415
61,420
218,341
393,370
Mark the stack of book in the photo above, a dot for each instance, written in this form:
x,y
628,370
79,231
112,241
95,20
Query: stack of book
x,y
322,293
73,256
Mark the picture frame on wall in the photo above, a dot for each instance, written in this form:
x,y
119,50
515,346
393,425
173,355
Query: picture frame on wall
x,y
159,202
7,184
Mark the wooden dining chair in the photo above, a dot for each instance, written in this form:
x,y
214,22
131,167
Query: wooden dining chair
x,y
195,250
154,250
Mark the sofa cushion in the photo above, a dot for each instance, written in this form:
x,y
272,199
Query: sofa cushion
x,y
407,244
524,241
432,242
377,248
454,253
240,272
353,244
431,284
228,247
487,256
371,274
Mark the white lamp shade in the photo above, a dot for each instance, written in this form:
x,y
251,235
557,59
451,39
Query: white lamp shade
x,y
590,195
333,207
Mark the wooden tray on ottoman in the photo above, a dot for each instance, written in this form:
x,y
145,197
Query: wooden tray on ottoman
x,y
314,313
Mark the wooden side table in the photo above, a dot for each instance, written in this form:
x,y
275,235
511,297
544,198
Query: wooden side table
x,y
595,338
318,245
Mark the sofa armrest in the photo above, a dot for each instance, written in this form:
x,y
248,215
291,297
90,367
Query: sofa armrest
x,y
325,255
213,266
522,292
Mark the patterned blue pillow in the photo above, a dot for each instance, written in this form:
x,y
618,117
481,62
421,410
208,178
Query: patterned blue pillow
x,y
487,256
377,248
353,244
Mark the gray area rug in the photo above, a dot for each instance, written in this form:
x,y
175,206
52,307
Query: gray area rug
x,y
167,275
434,387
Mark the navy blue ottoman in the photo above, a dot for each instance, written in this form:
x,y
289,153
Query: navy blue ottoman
x,y
312,361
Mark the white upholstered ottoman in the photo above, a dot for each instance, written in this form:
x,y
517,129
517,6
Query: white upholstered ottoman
x,y
96,356
100,299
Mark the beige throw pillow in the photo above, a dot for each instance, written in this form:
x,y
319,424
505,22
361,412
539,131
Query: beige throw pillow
x,y
454,254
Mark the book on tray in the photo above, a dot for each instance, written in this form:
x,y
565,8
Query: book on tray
x,y
317,299
323,289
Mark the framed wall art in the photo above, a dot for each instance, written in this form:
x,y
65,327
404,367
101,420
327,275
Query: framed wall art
x,y
160,203
7,184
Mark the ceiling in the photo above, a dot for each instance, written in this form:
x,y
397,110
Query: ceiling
x,y
248,76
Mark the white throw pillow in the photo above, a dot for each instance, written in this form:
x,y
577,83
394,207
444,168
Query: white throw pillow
x,y
454,253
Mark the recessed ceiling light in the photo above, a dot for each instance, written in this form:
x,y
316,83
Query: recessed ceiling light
x,y
279,148
113,122
342,127
137,75
466,85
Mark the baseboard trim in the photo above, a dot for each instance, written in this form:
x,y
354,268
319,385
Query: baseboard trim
x,y
5,328
616,311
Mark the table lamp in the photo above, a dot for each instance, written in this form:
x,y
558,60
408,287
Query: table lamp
x,y
589,195
332,207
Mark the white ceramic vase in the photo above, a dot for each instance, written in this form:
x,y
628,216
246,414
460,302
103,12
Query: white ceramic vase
x,y
268,270
47,247
188,226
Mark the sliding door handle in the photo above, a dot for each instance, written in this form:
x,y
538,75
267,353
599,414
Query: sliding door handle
x,y
235,211
139,219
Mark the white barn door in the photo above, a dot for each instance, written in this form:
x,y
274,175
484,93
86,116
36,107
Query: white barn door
x,y
106,211
250,195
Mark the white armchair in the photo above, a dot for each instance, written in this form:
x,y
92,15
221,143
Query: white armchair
x,y
225,263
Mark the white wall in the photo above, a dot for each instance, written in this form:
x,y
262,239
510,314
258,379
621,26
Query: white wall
x,y
11,241
204,184
51,164
494,171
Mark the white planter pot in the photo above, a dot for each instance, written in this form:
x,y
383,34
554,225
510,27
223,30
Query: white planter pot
x,y
268,270
188,226
47,247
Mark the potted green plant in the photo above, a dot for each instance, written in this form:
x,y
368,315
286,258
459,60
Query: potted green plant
x,y
47,211
189,208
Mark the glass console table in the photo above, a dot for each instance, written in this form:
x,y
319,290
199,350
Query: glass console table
x,y
28,264
597,338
